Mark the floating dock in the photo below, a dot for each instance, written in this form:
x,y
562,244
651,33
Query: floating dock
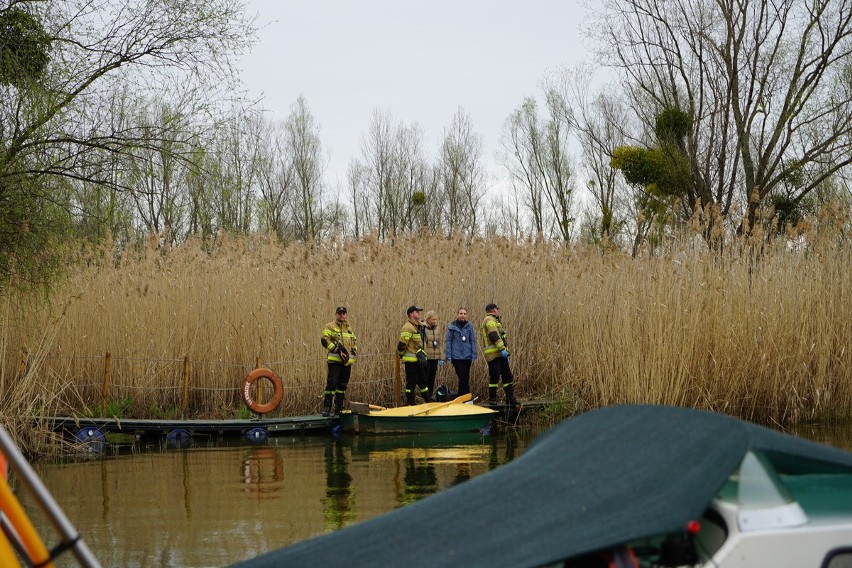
x,y
178,432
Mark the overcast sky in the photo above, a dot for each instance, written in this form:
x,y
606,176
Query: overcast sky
x,y
418,60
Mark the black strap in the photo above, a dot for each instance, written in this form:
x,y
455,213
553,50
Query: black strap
x,y
57,550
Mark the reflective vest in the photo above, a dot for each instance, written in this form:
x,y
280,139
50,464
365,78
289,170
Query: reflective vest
x,y
339,333
410,342
491,349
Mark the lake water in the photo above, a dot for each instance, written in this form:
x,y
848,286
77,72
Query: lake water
x,y
212,505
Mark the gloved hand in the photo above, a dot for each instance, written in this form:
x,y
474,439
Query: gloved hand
x,y
440,362
504,353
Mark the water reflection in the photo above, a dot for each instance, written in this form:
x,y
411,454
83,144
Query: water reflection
x,y
214,505
262,470
339,502
419,480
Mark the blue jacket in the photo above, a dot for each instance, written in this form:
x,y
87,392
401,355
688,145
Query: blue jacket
x,y
461,341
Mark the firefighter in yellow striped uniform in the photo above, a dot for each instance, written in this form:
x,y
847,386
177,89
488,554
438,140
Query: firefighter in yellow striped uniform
x,y
410,351
496,351
341,347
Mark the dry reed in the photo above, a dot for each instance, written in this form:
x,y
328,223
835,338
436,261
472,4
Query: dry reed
x,y
758,331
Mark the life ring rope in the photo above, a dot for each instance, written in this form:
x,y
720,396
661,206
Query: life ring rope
x,y
277,391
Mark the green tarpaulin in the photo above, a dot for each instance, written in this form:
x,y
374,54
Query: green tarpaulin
x,y
596,480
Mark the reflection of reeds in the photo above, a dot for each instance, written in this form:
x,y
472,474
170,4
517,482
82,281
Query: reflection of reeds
x,y
767,339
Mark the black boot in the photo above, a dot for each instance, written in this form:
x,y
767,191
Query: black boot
x,y
339,398
492,395
409,398
326,404
509,391
426,395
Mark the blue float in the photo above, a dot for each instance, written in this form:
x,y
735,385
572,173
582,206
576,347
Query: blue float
x,y
178,439
91,439
257,435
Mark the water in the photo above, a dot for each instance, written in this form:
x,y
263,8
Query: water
x,y
211,506
218,504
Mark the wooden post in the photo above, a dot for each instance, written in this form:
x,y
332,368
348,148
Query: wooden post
x,y
184,403
105,388
397,382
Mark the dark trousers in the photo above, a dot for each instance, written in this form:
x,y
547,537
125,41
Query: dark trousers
x,y
431,373
415,378
462,367
498,368
338,377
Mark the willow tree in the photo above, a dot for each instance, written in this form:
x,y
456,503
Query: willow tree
x,y
60,63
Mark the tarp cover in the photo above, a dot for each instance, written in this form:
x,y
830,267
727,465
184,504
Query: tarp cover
x,y
598,479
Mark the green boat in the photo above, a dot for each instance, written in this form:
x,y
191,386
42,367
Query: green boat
x,y
430,417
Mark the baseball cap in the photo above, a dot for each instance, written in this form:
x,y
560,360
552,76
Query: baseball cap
x,y
490,307
413,309
340,310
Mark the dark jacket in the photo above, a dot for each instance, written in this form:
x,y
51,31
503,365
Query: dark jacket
x,y
461,341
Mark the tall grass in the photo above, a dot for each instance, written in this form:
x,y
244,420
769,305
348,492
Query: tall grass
x,y
762,332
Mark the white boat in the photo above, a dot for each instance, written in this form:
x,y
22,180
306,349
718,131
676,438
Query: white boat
x,y
624,486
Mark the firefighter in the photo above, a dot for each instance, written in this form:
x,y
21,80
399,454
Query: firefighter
x,y
341,346
410,351
496,351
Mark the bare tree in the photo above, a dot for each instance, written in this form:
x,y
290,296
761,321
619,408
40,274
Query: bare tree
x,y
304,150
537,159
231,169
461,175
357,180
601,122
157,176
276,181
377,151
765,81
395,175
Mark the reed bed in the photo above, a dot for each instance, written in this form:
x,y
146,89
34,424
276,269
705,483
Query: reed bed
x,y
762,332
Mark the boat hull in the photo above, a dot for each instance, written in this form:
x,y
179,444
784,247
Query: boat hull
x,y
419,419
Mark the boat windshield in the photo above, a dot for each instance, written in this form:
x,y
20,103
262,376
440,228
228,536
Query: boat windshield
x,y
761,497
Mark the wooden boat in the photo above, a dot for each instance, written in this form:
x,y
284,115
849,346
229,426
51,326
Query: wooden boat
x,y
623,486
430,417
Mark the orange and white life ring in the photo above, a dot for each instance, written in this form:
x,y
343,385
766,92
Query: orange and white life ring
x,y
277,390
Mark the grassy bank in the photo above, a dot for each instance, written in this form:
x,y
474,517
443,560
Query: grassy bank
x,y
764,338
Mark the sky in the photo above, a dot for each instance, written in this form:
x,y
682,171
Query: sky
x,y
420,61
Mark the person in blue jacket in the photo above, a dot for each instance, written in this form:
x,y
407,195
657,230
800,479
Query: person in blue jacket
x,y
460,348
